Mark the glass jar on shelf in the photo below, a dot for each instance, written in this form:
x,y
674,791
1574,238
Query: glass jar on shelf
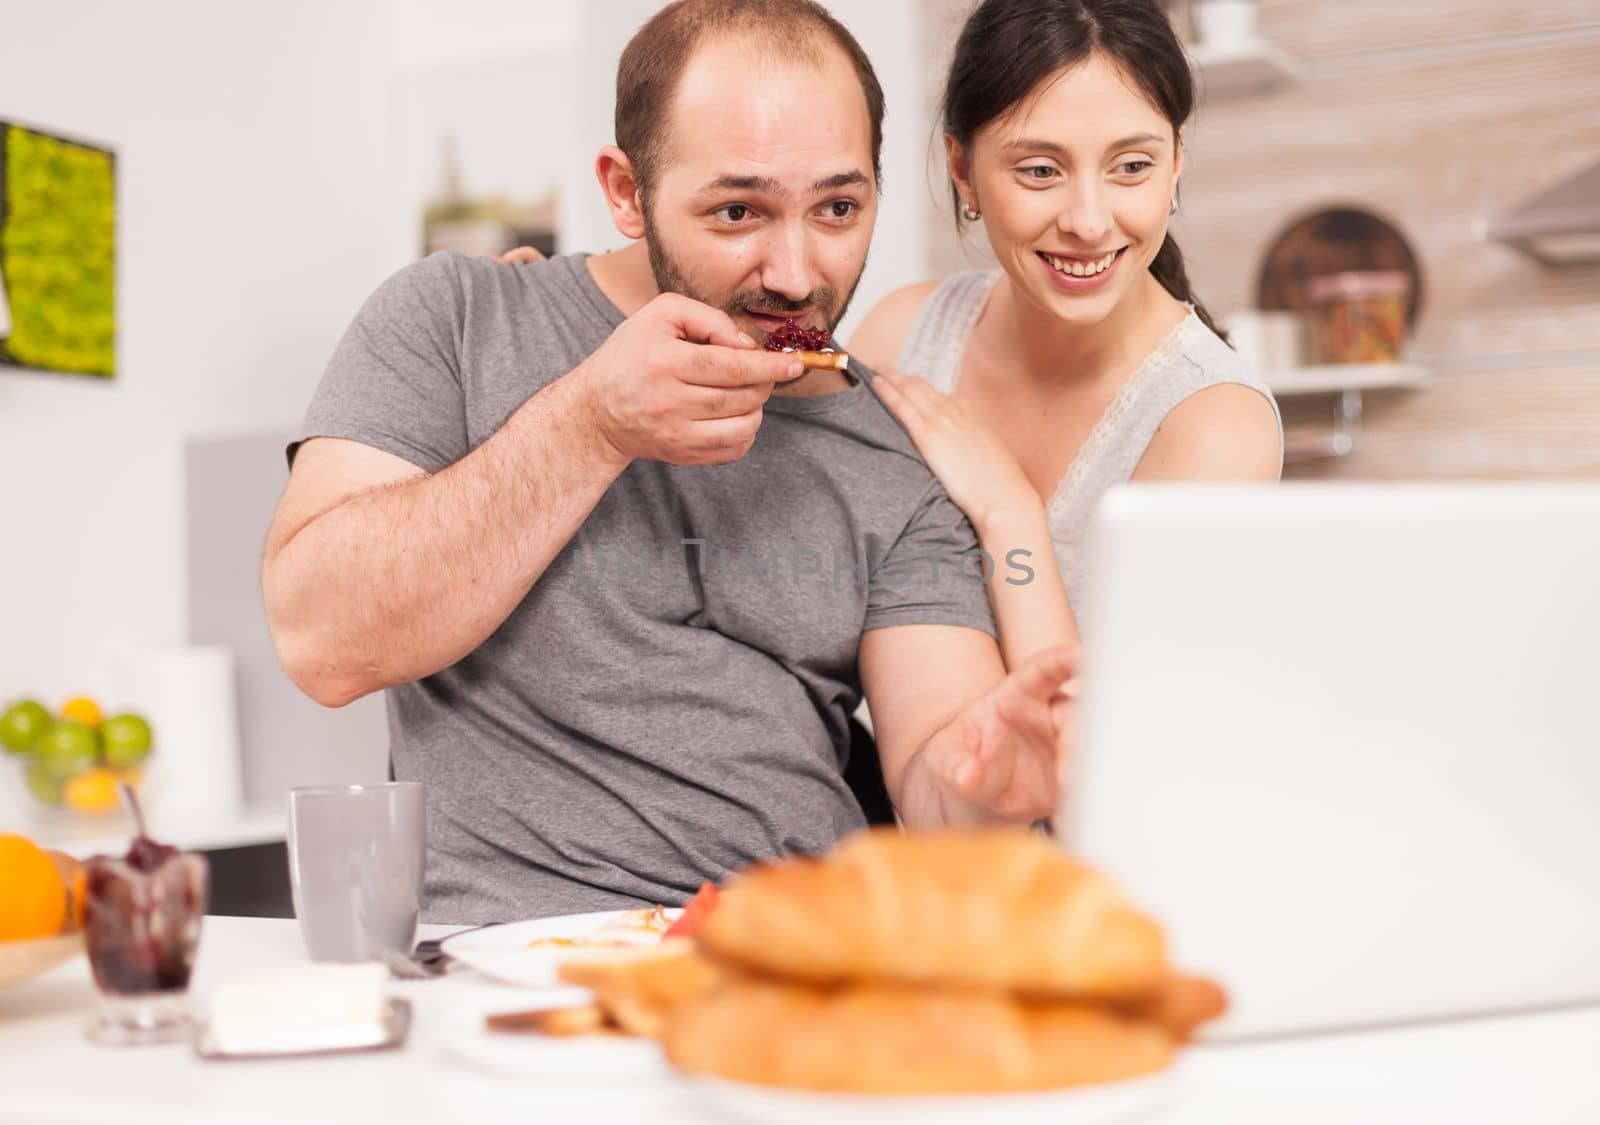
x,y
1360,315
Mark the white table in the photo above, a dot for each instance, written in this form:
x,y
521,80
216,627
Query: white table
x,y
1530,1069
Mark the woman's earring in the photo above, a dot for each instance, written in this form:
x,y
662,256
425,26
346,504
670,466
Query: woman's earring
x,y
970,214
1174,209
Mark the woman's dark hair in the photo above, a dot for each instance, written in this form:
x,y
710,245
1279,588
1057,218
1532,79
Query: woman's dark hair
x,y
1008,47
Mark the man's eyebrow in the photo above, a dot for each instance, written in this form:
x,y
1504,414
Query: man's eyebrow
x,y
767,185
854,178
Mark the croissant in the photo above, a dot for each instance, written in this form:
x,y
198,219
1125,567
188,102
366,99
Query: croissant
x,y
991,908
636,988
1179,1006
880,1039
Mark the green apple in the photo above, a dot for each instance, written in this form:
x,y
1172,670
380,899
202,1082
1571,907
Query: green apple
x,y
66,748
22,724
42,783
125,741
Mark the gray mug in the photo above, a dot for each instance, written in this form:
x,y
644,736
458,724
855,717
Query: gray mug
x,y
356,855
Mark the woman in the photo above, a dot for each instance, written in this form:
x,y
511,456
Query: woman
x,y
1084,361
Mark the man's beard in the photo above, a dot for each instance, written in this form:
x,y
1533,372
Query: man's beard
x,y
670,278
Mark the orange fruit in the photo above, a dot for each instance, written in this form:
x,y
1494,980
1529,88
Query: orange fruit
x,y
72,874
82,709
33,897
94,791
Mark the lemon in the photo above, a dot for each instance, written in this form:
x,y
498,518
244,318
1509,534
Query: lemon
x,y
93,792
82,709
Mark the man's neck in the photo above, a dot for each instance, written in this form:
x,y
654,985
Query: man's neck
x,y
625,277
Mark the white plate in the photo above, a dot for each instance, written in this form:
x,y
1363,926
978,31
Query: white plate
x,y
502,951
1135,1099
550,1060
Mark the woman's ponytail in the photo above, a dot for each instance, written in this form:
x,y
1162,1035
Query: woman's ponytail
x,y
1168,269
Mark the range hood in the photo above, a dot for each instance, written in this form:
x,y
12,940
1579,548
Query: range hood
x,y
1560,227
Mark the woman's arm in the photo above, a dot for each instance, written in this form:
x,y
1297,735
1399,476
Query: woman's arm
x,y
983,478
1026,590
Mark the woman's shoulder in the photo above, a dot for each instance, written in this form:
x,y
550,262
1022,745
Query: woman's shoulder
x,y
878,339
914,310
1208,359
1217,420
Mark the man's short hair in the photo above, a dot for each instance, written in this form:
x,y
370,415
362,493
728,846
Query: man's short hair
x,y
654,60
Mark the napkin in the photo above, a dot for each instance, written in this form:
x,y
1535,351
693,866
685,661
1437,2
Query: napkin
x,y
299,1007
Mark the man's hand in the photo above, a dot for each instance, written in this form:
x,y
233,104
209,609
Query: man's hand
x,y
1006,755
678,382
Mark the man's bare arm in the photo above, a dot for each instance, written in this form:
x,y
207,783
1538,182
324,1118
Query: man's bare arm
x,y
376,574
395,579
961,741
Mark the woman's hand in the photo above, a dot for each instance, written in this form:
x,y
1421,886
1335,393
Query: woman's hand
x,y
967,456
518,255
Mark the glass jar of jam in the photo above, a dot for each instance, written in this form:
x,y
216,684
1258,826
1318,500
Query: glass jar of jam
x,y
141,923
1361,315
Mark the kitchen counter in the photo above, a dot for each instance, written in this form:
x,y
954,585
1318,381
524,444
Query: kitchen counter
x,y
84,836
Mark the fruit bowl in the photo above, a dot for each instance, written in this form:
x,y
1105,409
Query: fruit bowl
x,y
22,960
74,760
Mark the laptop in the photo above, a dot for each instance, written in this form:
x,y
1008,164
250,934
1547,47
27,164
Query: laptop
x,y
1344,742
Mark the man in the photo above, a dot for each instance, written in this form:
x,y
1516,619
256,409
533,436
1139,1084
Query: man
x,y
623,573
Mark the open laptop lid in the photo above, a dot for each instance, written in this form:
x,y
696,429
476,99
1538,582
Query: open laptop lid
x,y
1345,743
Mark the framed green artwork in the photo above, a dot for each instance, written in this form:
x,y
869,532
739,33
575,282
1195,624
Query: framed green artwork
x,y
58,253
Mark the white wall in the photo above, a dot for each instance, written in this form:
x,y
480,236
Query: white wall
x,y
509,119
887,29
251,142
422,34
499,75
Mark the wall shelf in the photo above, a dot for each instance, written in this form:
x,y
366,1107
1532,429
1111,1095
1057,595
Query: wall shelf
x,y
1345,382
1332,378
1313,443
82,836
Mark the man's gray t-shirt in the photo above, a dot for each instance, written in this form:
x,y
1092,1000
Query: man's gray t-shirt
x,y
669,702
